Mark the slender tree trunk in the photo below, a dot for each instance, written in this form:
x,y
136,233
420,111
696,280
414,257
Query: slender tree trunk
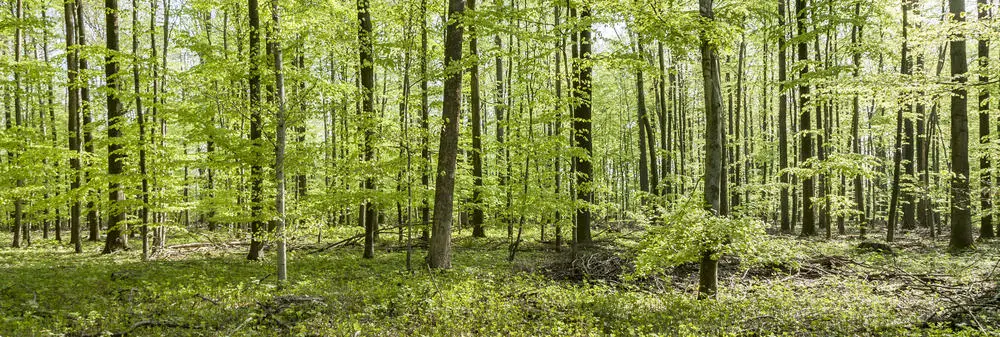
x,y
477,130
144,211
859,200
961,216
73,112
19,226
714,148
783,122
425,153
986,196
805,150
115,239
256,124
439,252
87,127
279,148
367,74
583,137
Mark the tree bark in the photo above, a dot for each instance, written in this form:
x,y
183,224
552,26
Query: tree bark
x,y
279,148
986,186
714,148
477,130
439,252
805,127
961,217
367,74
256,126
115,239
583,137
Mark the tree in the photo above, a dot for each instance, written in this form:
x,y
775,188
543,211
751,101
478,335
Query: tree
x,y
805,148
369,217
985,195
582,131
785,219
961,215
477,130
905,70
141,118
115,239
73,117
439,252
279,147
19,225
256,124
859,200
714,148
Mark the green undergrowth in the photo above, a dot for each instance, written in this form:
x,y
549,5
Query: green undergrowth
x,y
793,287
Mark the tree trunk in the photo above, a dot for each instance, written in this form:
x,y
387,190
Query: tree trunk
x,y
256,124
961,216
367,74
477,130
19,226
144,211
714,148
582,133
783,122
805,150
115,239
73,117
279,148
439,251
859,200
985,203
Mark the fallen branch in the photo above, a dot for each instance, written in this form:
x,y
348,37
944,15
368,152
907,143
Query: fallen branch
x,y
145,324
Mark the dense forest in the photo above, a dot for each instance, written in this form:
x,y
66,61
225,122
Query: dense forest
x,y
506,167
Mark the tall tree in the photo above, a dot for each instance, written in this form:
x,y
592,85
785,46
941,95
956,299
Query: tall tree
x,y
115,239
986,187
140,116
256,124
859,200
582,130
477,130
369,217
961,216
714,148
783,121
906,70
19,225
279,147
805,148
73,117
439,252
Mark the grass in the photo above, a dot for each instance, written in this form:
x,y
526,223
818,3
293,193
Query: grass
x,y
804,287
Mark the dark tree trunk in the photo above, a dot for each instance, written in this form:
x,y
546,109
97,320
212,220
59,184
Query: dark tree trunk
x,y
986,196
256,126
115,239
783,122
805,149
961,216
859,200
425,153
73,105
367,73
714,148
477,131
144,211
583,137
439,252
18,215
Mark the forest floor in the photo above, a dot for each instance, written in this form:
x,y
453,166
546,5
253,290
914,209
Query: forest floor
x,y
809,287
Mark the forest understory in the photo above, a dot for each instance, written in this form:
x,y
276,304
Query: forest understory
x,y
200,284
